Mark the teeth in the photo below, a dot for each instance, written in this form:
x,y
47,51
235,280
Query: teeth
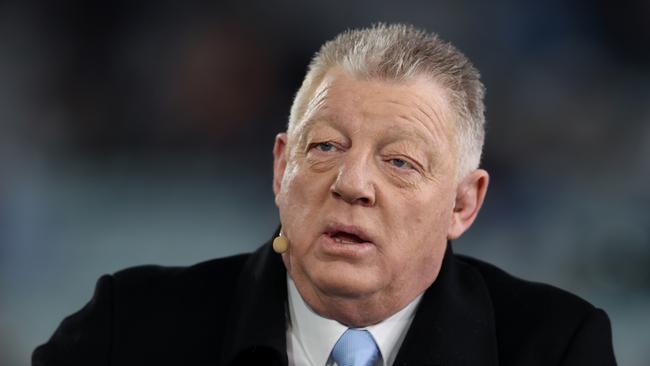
x,y
342,241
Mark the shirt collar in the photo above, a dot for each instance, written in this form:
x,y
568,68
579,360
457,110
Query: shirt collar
x,y
317,335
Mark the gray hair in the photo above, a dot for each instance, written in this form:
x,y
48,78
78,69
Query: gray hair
x,y
401,52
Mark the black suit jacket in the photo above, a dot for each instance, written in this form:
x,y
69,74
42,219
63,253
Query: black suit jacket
x,y
232,311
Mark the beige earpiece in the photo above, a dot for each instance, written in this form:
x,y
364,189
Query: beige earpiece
x,y
280,243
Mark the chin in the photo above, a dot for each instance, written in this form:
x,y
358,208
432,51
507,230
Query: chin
x,y
348,285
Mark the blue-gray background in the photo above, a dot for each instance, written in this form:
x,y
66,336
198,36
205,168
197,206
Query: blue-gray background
x,y
137,132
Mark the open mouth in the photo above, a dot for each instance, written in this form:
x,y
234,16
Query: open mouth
x,y
346,238
347,234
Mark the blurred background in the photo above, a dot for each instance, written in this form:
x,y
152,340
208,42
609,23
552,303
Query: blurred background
x,y
136,132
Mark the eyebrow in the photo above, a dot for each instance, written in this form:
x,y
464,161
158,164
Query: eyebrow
x,y
303,132
397,131
332,121
400,130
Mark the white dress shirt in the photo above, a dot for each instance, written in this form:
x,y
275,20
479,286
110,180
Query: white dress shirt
x,y
310,337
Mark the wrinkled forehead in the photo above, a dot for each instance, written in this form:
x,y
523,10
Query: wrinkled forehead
x,y
338,95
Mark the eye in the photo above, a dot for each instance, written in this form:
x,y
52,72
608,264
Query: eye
x,y
325,147
401,163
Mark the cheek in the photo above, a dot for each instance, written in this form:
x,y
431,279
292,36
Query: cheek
x,y
415,253
421,219
299,201
296,188
290,174
292,191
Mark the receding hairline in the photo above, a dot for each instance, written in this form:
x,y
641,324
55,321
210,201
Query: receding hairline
x,y
430,101
443,116
441,92
400,52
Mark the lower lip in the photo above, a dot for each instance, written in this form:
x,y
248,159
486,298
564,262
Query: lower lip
x,y
348,249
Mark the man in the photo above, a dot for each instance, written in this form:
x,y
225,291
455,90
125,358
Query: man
x,y
376,174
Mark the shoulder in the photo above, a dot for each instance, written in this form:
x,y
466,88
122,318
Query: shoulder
x,y
204,275
174,288
536,321
149,314
524,298
178,310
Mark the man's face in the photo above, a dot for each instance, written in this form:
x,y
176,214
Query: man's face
x,y
365,186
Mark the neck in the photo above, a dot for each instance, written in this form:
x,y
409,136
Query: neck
x,y
356,312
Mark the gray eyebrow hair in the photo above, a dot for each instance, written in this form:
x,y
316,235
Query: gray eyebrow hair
x,y
309,122
412,132
312,120
432,155
334,121
302,131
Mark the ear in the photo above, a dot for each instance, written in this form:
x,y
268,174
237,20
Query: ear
x,y
279,161
469,199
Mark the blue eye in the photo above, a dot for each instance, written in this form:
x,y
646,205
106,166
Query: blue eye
x,y
324,146
400,163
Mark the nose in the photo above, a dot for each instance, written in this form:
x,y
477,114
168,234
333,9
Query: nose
x,y
354,183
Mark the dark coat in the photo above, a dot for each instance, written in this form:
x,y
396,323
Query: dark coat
x,y
233,311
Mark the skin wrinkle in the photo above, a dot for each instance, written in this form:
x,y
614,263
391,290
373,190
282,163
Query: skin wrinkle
x,y
317,106
448,133
408,216
440,134
303,97
440,128
317,100
396,138
307,137
350,304
303,130
422,163
354,102
399,53
321,94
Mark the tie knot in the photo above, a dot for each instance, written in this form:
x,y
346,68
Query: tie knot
x,y
355,348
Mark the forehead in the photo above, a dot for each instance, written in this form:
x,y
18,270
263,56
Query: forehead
x,y
417,107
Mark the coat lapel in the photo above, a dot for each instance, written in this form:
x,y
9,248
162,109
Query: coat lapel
x,y
454,323
257,319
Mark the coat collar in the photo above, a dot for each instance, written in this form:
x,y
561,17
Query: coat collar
x,y
453,325
257,319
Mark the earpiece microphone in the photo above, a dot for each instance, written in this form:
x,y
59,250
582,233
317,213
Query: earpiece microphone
x,y
280,243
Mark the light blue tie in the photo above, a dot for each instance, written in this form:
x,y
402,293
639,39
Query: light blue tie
x,y
355,348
